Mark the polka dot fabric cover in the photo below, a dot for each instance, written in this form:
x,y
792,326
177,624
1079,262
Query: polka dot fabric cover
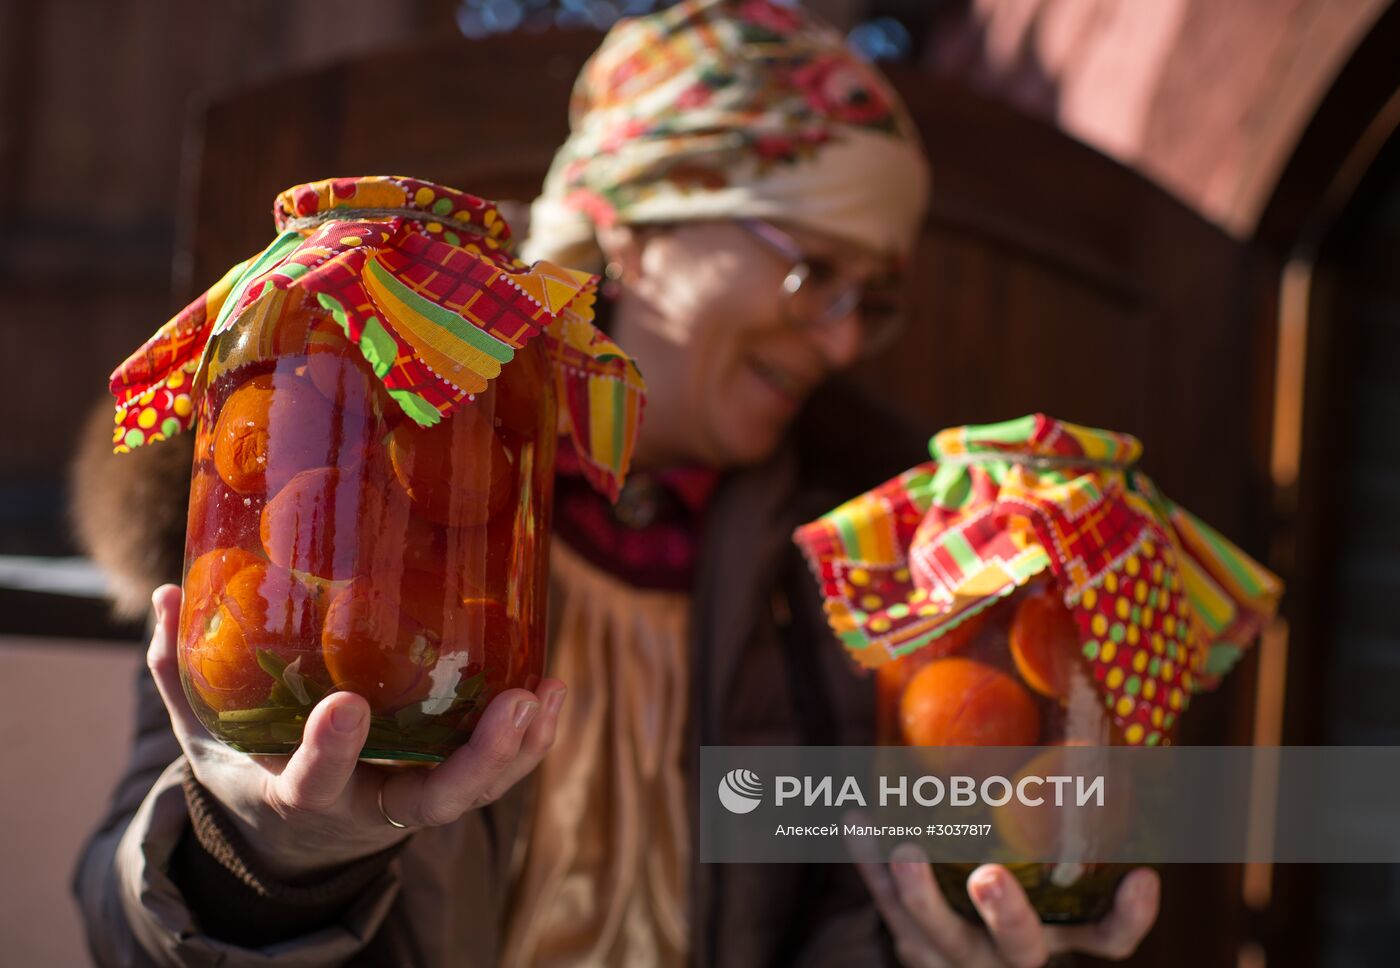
x,y
1137,632
423,280
1164,604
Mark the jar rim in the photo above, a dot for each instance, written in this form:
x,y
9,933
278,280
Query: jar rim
x,y
311,204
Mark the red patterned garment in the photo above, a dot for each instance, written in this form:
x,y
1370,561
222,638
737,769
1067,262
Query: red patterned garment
x,y
651,537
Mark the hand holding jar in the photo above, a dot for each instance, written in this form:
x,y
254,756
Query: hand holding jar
x,y
323,806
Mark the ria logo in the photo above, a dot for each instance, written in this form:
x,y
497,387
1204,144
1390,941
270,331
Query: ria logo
x,y
740,791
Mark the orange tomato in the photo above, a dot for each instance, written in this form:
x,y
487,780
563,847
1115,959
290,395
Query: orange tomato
x,y
1045,643
209,575
961,702
457,472
262,607
270,429
891,678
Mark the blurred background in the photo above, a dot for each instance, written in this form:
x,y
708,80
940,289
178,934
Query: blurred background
x,y
1179,218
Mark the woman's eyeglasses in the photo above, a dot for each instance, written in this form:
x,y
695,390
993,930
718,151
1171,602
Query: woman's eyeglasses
x,y
819,295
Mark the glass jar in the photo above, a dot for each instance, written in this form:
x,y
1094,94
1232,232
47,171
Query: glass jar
x,y
334,543
1013,674
1029,588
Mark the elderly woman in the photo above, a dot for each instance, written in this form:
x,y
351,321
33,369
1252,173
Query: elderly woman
x,y
749,190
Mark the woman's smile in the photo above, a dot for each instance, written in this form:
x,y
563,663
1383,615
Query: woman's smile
x,y
788,390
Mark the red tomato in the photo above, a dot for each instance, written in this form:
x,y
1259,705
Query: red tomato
x,y
474,629
344,381
520,390
373,647
219,516
457,472
325,522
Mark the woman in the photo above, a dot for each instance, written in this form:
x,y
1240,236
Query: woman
x,y
748,188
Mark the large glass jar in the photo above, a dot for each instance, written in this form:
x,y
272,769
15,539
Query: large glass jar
x,y
334,543
1029,588
377,398
1011,675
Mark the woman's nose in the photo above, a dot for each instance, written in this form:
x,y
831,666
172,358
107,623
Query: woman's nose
x,y
840,340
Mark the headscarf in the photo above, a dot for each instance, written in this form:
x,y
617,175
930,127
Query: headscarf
x,y
731,109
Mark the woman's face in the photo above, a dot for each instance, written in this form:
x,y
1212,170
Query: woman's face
x,y
703,311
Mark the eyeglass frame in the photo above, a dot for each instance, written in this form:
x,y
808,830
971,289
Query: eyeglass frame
x,y
848,298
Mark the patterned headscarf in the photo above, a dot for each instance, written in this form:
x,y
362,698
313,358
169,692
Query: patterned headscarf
x,y
730,109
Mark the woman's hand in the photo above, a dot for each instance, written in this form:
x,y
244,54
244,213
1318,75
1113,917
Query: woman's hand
x,y
930,934
320,807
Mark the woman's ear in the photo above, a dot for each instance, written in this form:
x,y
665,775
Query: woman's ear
x,y
622,247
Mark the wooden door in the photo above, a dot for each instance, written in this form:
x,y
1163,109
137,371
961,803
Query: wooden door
x,y
1334,218
1063,282
1060,281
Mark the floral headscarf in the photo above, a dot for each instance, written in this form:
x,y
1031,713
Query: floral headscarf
x,y
726,109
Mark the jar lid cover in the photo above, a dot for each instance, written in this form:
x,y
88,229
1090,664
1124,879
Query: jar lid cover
x,y
1157,595
423,281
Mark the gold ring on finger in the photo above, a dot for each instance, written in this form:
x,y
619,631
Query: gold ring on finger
x,y
385,813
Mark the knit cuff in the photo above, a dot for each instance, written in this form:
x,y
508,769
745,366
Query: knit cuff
x,y
237,899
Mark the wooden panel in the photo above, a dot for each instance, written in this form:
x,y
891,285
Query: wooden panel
x,y
1352,477
1062,281
1205,97
92,111
1328,212
485,118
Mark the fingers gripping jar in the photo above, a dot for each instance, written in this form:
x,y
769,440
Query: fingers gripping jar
x,y
1026,588
376,400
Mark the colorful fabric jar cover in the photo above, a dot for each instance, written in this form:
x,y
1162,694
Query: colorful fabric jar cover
x,y
1163,603
423,280
714,109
